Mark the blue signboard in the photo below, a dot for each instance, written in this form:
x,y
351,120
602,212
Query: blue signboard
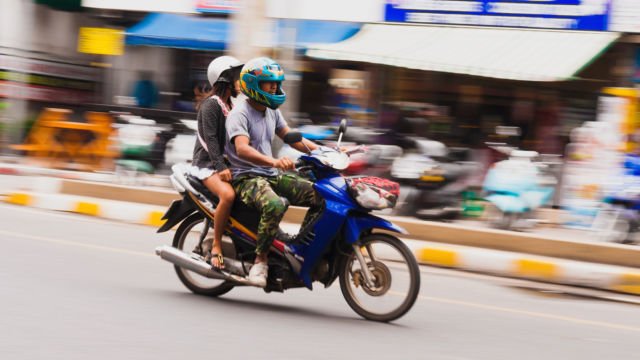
x,y
546,14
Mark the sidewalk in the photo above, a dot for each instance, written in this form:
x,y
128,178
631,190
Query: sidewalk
x,y
517,263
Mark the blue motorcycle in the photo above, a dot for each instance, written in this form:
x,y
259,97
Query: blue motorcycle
x,y
378,275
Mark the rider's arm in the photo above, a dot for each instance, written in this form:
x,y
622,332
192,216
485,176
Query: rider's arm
x,y
298,146
247,152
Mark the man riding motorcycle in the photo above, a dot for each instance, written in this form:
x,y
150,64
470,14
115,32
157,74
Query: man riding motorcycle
x,y
259,179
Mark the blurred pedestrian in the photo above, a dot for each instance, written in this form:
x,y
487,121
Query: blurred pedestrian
x,y
145,91
208,161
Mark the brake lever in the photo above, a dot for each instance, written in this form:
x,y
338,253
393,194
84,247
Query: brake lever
x,y
357,150
303,168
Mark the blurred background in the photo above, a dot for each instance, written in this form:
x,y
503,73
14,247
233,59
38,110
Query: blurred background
x,y
509,114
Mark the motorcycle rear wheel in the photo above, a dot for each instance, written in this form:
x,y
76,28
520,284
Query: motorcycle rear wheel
x,y
186,238
390,261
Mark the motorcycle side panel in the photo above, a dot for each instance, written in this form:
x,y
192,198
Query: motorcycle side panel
x,y
178,211
338,203
508,203
357,224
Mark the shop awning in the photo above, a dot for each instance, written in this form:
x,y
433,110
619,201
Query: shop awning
x,y
205,33
309,32
516,54
179,31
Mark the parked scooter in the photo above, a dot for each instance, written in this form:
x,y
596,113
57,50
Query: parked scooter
x,y
378,274
146,148
619,218
433,178
517,187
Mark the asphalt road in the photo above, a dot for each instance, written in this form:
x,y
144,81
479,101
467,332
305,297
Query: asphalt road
x,y
74,287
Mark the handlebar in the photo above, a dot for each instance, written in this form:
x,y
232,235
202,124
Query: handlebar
x,y
356,150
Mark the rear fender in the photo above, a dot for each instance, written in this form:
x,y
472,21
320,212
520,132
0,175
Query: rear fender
x,y
178,211
508,203
358,224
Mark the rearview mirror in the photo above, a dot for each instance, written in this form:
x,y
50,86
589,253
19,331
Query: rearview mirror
x,y
292,137
343,126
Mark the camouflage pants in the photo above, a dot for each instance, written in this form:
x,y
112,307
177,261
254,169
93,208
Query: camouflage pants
x,y
263,194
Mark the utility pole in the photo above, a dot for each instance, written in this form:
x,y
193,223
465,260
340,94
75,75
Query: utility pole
x,y
251,32
253,35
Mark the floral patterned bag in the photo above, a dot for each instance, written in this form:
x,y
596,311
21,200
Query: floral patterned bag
x,y
372,192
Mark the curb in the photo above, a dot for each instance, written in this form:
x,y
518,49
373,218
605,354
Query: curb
x,y
451,234
107,209
523,266
510,264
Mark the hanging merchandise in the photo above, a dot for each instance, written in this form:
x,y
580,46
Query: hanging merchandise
x,y
594,160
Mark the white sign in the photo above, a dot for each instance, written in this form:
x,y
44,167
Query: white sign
x,y
333,10
174,6
625,16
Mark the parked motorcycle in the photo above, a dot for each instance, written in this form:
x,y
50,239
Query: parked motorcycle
x,y
619,217
146,148
517,187
433,179
378,275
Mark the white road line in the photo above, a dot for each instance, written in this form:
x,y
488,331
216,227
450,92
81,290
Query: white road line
x,y
531,313
74,243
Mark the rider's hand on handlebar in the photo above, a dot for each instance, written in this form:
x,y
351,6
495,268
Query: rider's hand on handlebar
x,y
284,163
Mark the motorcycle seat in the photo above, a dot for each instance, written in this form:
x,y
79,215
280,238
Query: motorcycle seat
x,y
201,188
246,215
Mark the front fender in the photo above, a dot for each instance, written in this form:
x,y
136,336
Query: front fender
x,y
357,224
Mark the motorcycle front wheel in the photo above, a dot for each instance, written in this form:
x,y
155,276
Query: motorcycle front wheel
x,y
396,278
186,239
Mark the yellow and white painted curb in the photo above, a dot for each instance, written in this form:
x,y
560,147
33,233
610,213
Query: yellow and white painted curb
x,y
523,266
502,263
108,209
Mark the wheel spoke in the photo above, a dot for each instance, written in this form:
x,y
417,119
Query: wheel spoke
x,y
393,271
188,239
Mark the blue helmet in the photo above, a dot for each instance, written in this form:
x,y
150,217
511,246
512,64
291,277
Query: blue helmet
x,y
259,70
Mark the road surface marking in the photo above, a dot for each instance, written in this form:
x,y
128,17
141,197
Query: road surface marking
x,y
74,243
532,313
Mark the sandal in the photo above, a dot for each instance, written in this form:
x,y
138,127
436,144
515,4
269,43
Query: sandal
x,y
218,256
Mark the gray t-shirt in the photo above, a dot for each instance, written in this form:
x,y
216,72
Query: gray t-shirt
x,y
260,128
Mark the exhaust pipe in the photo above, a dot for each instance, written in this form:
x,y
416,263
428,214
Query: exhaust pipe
x,y
233,268
183,260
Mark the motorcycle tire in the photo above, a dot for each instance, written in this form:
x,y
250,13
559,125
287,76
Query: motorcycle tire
x,y
380,270
187,277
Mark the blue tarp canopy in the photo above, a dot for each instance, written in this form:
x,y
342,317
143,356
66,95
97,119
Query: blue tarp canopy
x,y
179,31
309,32
205,33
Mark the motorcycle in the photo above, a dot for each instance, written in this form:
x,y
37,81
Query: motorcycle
x,y
378,275
517,187
374,160
618,219
433,177
146,148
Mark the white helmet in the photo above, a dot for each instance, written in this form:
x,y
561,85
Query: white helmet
x,y
218,70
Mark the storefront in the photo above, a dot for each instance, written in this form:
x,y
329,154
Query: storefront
x,y
466,67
